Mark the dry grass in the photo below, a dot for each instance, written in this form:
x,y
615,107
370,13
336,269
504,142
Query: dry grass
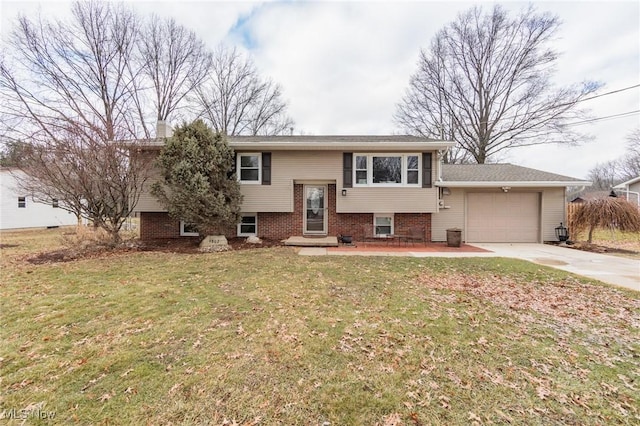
x,y
269,337
604,213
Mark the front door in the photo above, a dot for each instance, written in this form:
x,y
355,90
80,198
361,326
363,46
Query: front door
x,y
315,209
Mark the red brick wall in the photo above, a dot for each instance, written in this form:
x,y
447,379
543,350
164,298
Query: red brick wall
x,y
279,226
158,225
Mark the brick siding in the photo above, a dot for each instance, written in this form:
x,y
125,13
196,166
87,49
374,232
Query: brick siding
x,y
279,226
158,225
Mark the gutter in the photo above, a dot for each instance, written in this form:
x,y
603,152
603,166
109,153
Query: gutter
x,y
512,184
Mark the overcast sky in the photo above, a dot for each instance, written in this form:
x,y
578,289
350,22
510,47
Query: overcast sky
x,y
344,66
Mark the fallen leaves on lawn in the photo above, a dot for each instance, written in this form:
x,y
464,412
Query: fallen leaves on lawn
x,y
566,306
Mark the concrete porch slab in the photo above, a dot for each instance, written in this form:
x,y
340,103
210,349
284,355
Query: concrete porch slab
x,y
312,242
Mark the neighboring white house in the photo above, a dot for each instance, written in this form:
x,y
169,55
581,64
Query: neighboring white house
x,y
18,210
630,190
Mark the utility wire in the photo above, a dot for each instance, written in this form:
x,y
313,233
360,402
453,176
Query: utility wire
x,y
608,93
591,120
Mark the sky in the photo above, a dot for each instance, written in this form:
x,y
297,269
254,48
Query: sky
x,y
344,66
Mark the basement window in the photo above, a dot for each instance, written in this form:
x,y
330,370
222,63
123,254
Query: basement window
x,y
248,225
383,224
188,229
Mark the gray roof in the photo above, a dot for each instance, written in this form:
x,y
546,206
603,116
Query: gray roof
x,y
328,138
323,143
500,173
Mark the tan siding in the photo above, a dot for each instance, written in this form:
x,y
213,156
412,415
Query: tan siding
x,y
390,199
147,202
287,167
552,208
501,217
553,212
453,217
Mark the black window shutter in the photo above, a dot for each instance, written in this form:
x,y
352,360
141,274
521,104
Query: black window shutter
x,y
426,170
347,170
233,170
266,168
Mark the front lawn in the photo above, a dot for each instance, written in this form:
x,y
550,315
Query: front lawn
x,y
269,337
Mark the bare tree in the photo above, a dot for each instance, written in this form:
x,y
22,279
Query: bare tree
x,y
174,60
605,175
630,162
485,82
100,182
608,174
77,86
234,100
73,75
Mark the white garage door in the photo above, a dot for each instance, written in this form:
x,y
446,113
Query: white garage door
x,y
512,217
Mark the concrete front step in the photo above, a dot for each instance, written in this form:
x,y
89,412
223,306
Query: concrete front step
x,y
312,241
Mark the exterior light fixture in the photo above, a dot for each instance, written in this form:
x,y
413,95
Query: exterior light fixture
x,y
344,192
562,233
506,188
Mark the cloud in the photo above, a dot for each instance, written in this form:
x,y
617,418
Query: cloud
x,y
343,66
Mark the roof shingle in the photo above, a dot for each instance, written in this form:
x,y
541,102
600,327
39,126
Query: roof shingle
x,y
499,173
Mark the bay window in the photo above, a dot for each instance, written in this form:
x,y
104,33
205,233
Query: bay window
x,y
386,169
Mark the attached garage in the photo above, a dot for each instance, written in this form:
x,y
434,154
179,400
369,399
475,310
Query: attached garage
x,y
500,217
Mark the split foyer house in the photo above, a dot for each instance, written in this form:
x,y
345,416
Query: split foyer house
x,y
375,186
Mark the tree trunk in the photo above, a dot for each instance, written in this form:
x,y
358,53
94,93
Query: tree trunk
x,y
590,237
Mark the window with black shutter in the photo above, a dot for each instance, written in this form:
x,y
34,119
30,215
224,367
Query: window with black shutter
x,y
266,168
347,170
426,170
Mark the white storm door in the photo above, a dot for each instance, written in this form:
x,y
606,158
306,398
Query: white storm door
x,y
315,209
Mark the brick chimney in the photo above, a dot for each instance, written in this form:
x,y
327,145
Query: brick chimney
x,y
163,129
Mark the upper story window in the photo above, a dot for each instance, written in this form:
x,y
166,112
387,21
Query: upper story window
x,y
413,170
55,203
361,169
22,202
387,169
249,168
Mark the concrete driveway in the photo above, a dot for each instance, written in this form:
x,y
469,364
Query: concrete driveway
x,y
614,270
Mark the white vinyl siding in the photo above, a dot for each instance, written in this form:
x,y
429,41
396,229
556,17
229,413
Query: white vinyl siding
x,y
33,214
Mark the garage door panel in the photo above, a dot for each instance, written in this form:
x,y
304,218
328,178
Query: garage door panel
x,y
503,217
